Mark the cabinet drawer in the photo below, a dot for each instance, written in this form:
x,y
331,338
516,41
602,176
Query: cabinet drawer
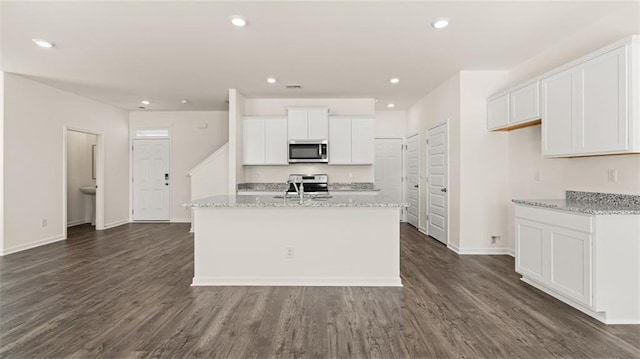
x,y
578,222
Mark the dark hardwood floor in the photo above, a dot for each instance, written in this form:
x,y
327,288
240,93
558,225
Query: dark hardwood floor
x,y
124,293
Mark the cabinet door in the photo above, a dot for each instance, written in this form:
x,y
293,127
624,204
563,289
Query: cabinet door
x,y
253,141
362,141
318,122
498,112
297,124
339,141
570,263
603,117
525,103
276,141
559,105
530,249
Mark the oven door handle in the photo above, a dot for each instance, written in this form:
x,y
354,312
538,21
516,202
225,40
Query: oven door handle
x,y
320,151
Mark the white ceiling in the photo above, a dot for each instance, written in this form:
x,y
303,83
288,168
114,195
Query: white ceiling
x,y
122,52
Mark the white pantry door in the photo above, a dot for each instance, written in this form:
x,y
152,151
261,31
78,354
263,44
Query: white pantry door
x,y
412,180
438,172
388,167
151,181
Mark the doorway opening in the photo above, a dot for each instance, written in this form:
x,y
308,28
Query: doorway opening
x,y
83,175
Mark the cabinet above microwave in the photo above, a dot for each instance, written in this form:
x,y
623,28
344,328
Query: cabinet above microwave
x,y
308,123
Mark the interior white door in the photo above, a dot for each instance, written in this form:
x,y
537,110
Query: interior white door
x,y
151,180
437,174
411,183
388,167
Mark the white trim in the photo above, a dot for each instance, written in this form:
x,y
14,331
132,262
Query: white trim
x,y
453,247
423,231
180,220
116,223
24,247
78,222
483,251
210,158
299,281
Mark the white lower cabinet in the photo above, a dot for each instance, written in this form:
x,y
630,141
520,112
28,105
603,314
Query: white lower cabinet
x,y
591,262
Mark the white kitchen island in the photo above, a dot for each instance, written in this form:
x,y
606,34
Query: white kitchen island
x,y
262,240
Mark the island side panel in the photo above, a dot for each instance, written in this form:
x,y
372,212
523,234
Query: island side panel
x,y
331,246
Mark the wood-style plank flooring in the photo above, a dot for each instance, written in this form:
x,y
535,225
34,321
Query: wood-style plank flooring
x,y
124,293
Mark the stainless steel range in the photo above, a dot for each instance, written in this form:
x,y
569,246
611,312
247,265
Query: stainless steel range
x,y
313,185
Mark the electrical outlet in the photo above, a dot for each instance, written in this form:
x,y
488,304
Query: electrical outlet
x,y
495,239
612,176
43,222
288,252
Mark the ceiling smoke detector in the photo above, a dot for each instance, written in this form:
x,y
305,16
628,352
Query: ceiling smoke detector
x,y
293,87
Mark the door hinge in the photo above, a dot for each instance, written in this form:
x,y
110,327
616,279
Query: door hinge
x,y
131,147
133,210
427,141
401,179
131,179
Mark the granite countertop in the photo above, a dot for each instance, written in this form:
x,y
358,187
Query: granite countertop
x,y
271,201
589,203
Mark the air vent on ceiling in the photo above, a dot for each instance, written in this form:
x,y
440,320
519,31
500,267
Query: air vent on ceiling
x,y
293,87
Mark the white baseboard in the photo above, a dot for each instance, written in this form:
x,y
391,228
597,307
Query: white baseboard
x,y
481,251
116,223
423,231
23,247
78,222
181,220
298,281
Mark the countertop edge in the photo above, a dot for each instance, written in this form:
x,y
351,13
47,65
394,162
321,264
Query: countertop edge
x,y
542,204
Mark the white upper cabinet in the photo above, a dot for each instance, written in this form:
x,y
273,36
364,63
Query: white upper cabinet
x,y
514,108
498,112
591,107
525,103
362,141
264,141
308,123
339,141
351,141
559,110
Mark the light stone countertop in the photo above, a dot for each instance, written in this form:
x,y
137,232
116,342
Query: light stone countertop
x,y
270,201
580,206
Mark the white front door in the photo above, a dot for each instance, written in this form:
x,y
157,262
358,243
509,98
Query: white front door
x,y
388,167
411,183
151,180
437,175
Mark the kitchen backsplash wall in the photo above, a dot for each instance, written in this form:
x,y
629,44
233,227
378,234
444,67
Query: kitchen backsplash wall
x,y
278,174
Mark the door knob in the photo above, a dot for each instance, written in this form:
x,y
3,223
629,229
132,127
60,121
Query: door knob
x,y
166,183
443,190
415,185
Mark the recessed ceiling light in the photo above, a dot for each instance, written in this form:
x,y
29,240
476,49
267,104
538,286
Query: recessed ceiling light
x,y
394,80
391,105
440,23
238,20
271,80
184,101
43,43
145,102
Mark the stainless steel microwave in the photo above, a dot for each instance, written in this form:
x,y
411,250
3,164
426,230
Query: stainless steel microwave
x,y
306,151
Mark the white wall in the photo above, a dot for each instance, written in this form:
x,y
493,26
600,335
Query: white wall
x,y
190,144
2,144
438,106
34,118
391,124
484,179
278,107
79,174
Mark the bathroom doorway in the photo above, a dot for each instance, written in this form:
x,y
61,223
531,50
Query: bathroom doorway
x,y
82,200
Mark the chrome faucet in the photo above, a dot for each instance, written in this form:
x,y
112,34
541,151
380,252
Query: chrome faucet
x,y
299,189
